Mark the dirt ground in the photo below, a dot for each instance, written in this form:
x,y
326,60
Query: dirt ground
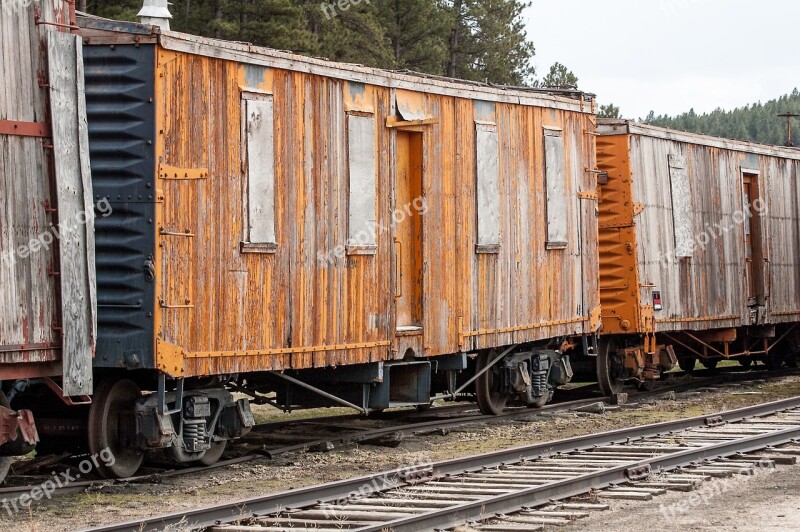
x,y
770,501
115,503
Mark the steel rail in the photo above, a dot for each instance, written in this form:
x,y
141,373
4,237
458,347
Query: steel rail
x,y
407,428
306,497
541,495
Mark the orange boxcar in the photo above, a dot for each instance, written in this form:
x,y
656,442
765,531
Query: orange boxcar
x,y
329,233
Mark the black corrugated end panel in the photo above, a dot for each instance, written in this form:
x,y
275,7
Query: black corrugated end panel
x,y
120,92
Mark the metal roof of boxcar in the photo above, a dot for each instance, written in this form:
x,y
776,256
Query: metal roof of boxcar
x,y
564,99
615,126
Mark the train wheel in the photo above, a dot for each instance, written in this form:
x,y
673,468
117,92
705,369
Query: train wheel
x,y
490,402
687,364
710,364
647,386
5,461
608,369
541,401
774,361
213,455
110,399
793,355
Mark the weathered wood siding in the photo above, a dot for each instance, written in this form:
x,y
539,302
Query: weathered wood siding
x,y
31,321
709,289
224,307
75,208
783,236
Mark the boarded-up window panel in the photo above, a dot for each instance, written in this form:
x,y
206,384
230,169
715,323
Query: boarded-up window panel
x,y
362,165
556,190
260,170
681,206
488,187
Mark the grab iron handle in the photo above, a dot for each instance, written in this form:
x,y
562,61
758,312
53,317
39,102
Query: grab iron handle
x,y
149,271
399,268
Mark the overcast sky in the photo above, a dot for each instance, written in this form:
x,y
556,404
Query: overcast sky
x,y
671,55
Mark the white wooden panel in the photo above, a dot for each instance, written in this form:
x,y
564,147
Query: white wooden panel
x,y
73,191
488,186
260,132
361,158
681,206
556,189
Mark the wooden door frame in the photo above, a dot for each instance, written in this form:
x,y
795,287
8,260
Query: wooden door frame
x,y
414,339
756,275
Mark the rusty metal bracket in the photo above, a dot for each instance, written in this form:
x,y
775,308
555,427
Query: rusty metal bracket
x,y
181,174
25,129
68,400
15,424
638,208
39,22
187,305
187,234
588,195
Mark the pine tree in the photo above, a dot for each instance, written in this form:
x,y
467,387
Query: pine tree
x,y
415,30
273,23
352,35
480,40
123,10
488,42
609,111
758,122
559,77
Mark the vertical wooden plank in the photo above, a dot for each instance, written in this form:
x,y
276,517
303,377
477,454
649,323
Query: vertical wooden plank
x,y
86,182
72,171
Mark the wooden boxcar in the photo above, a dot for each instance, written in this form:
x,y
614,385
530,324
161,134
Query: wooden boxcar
x,y
328,232
699,247
47,305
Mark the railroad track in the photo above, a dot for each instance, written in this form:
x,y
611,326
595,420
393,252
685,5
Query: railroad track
x,y
515,489
440,419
